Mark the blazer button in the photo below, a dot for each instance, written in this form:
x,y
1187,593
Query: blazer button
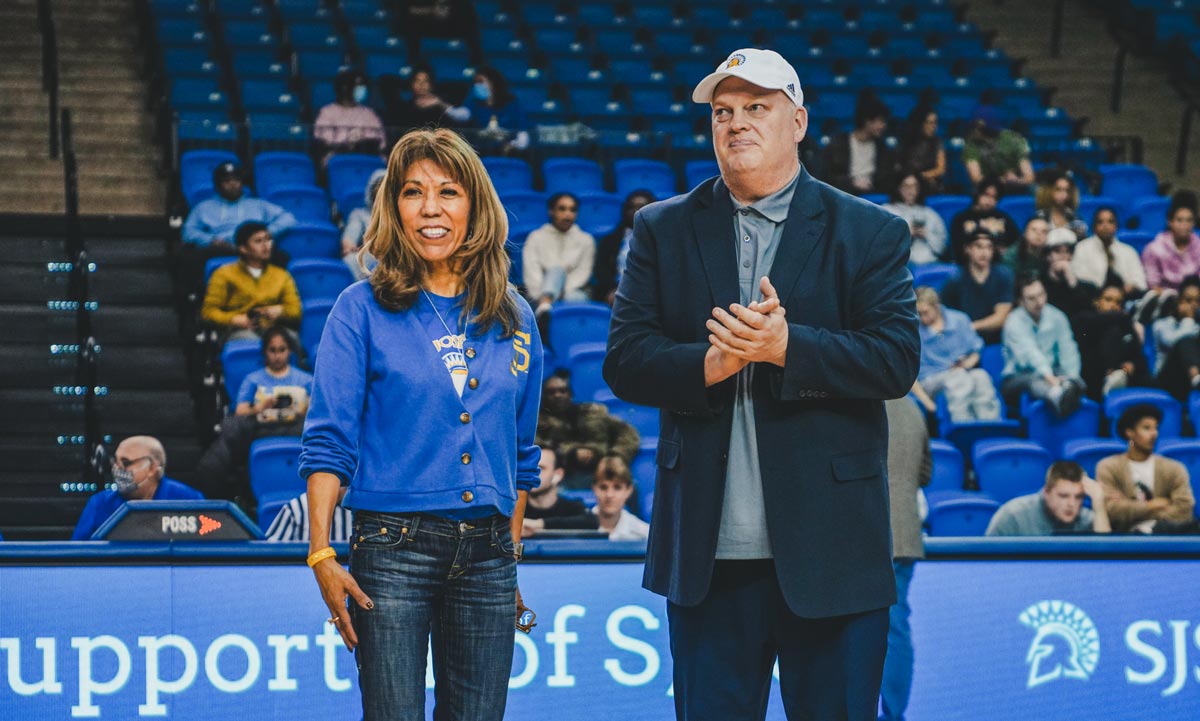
x,y
470,353
467,496
473,383
466,458
465,418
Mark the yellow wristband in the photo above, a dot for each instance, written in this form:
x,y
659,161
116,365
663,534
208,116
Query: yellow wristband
x,y
317,556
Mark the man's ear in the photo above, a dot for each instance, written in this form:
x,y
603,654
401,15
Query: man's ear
x,y
559,474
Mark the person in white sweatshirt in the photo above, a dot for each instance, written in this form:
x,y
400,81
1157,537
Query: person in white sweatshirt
x,y
557,258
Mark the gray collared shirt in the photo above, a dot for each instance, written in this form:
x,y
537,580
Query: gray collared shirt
x,y
743,534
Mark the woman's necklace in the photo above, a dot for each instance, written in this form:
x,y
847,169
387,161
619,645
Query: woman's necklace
x,y
439,314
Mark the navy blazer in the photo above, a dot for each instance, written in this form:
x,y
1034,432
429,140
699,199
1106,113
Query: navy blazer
x,y
842,276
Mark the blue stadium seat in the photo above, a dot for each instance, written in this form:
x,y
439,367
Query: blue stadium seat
x,y
320,64
247,34
575,324
348,174
587,381
637,174
1137,239
362,12
538,16
526,211
314,36
1052,432
961,516
319,278
312,323
276,131
948,467
1117,401
190,63
697,171
251,64
279,168
203,94
207,130
556,41
273,466
947,206
1151,213
302,10
381,64
239,358
934,275
645,476
991,359
181,32
643,418
589,100
575,175
307,202
599,212
448,66
196,169
509,174
1128,180
1184,450
1087,452
240,9
269,96
1089,204
312,240
378,39
1007,468
1020,207
964,436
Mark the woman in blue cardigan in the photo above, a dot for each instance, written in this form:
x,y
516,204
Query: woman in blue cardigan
x,y
425,404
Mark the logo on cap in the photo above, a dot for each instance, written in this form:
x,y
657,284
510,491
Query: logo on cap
x,y
735,60
791,88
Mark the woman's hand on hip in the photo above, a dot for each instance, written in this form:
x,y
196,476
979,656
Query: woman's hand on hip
x,y
337,585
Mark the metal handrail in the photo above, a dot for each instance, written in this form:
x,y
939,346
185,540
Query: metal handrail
x,y
50,80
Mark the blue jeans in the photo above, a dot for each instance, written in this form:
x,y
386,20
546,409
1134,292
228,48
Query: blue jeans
x,y
898,666
430,577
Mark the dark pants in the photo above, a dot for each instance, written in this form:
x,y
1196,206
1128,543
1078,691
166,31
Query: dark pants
x,y
433,580
1174,377
725,648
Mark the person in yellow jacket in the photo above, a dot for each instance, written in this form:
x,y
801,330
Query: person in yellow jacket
x,y
245,298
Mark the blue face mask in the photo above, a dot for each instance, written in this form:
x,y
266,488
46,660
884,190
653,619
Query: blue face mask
x,y
481,91
360,93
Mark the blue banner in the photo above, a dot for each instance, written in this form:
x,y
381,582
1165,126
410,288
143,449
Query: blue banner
x,y
994,640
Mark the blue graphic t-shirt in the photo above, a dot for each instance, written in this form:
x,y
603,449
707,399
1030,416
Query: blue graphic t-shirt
x,y
446,339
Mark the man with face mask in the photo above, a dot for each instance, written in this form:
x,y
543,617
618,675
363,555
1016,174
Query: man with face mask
x,y
139,474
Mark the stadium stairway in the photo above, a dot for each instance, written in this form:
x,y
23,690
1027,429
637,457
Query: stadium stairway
x,y
102,84
1083,76
142,380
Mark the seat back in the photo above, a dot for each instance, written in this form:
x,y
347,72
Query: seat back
x,y
573,324
948,467
239,358
587,381
273,467
1117,401
312,325
311,240
1007,468
961,516
1088,452
1052,432
277,168
575,175
320,278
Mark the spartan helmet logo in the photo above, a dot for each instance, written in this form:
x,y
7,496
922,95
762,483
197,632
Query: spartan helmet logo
x,y
735,60
1077,638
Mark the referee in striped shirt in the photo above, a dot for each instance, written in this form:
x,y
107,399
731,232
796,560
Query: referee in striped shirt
x,y
292,522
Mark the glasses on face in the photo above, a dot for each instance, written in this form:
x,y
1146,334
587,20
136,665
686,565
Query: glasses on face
x,y
128,463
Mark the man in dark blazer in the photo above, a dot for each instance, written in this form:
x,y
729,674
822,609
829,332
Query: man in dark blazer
x,y
768,316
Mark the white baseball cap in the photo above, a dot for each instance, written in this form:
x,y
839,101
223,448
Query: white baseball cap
x,y
764,68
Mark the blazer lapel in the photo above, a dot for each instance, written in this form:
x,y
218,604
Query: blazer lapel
x,y
801,234
713,226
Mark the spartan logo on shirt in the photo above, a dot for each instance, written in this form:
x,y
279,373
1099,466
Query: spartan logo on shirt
x,y
449,347
520,361
1066,645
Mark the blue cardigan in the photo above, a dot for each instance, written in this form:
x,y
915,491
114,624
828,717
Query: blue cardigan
x,y
386,419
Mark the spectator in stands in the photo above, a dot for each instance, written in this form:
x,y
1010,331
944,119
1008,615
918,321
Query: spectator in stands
x,y
246,298
583,433
1101,258
984,290
292,522
139,474
614,248
546,508
613,486
991,152
209,229
1057,508
926,226
348,125
1040,354
557,258
921,150
494,109
271,401
950,363
984,214
1065,291
1174,254
1057,200
1177,341
425,108
860,161
1026,256
358,260
910,467
1146,492
1110,348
